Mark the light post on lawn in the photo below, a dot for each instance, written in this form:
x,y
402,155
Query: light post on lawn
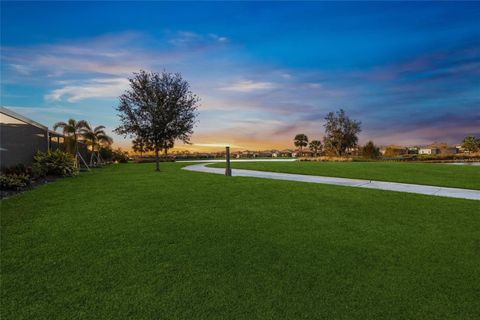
x,y
228,169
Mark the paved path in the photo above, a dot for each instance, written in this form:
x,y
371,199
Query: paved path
x,y
241,160
392,186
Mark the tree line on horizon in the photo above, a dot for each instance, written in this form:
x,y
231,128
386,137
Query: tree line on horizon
x,y
341,134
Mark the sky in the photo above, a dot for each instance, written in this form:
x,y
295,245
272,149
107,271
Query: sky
x,y
265,71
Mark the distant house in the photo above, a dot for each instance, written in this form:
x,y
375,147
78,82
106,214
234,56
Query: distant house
x,y
282,154
245,154
303,153
394,151
431,151
413,150
353,150
265,154
448,151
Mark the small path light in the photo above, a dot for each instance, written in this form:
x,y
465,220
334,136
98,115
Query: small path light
x,y
228,169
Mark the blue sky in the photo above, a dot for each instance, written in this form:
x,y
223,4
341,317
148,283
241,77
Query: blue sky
x,y
264,71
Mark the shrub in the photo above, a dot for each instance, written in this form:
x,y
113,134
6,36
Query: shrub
x,y
120,156
108,154
370,151
14,181
393,151
19,169
56,163
152,160
327,159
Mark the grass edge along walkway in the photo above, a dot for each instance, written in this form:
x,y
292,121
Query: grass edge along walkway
x,y
360,183
441,175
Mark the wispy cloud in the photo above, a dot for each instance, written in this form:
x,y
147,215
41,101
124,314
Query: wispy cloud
x,y
111,54
21,69
94,88
249,86
188,38
257,103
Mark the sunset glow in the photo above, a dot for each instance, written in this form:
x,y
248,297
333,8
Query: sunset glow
x,y
408,71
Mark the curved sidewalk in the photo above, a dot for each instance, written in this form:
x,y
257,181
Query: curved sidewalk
x,y
370,184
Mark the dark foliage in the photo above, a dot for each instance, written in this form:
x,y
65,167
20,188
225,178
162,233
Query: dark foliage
x,y
300,141
471,144
370,151
340,133
316,147
13,181
56,163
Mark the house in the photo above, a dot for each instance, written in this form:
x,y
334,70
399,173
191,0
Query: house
x,y
448,151
265,154
353,150
21,138
245,154
413,150
303,153
429,150
394,151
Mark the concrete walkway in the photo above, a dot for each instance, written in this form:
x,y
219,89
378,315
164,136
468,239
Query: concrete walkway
x,y
241,160
392,186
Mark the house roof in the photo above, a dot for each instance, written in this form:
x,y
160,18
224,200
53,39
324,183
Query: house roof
x,y
17,116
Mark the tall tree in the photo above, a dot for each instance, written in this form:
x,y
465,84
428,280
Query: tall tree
x,y
340,132
158,108
315,146
471,144
73,130
300,141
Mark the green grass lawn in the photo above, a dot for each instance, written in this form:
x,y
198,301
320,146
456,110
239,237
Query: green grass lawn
x,y
125,242
436,174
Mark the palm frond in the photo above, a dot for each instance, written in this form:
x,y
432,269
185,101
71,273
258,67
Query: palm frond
x,y
105,139
99,128
60,124
82,124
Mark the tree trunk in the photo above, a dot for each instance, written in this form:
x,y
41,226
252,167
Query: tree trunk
x,y
157,159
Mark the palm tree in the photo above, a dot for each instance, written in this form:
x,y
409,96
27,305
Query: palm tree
x,y
139,145
300,140
72,129
96,137
315,146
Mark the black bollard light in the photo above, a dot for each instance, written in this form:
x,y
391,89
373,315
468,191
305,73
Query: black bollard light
x,y
228,169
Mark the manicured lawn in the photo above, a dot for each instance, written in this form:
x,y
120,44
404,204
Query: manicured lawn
x,y
436,174
124,242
